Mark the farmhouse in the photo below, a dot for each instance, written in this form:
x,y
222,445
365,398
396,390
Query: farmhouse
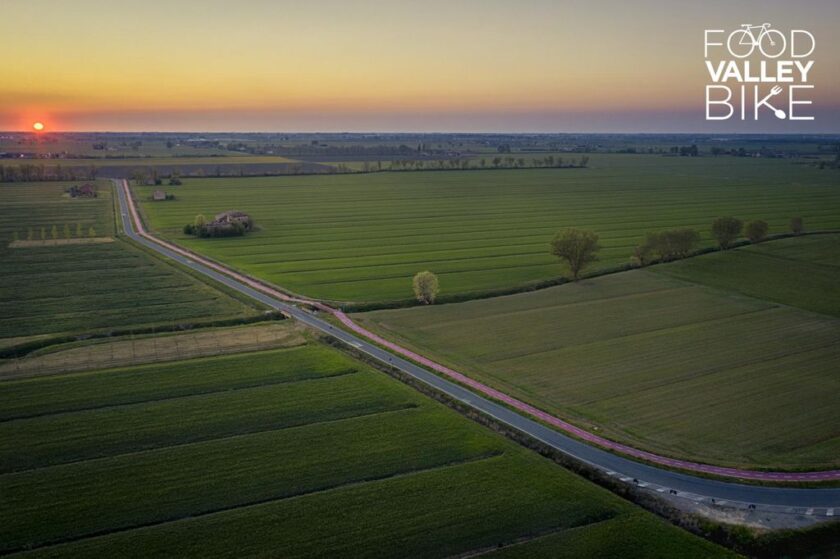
x,y
232,217
83,191
159,195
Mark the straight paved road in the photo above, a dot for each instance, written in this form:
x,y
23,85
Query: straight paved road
x,y
777,499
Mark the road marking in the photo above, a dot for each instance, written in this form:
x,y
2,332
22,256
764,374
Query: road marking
x,y
720,503
829,512
661,490
610,473
625,478
809,512
643,484
357,345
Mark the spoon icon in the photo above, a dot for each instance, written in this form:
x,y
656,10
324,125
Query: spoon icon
x,y
780,114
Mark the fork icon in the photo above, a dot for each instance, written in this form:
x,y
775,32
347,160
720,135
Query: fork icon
x,y
780,114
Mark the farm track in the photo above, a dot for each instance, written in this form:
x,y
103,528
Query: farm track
x,y
589,453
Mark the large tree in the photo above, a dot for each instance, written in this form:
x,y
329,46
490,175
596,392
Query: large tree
x,y
726,230
577,248
426,287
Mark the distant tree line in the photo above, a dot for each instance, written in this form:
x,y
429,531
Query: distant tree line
x,y
685,151
464,164
835,164
54,234
150,177
28,172
319,149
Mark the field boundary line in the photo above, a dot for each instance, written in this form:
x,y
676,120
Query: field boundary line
x,y
536,537
479,458
405,408
339,374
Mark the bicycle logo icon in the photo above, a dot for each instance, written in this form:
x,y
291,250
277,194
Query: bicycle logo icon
x,y
770,42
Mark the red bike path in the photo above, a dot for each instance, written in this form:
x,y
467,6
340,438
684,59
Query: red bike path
x,y
565,427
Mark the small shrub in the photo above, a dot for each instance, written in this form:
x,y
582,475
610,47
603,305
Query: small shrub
x,y
426,287
757,230
797,225
643,254
668,245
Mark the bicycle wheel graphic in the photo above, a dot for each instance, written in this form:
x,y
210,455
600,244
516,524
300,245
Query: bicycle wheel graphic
x,y
772,44
741,43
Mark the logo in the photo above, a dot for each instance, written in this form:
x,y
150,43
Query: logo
x,y
758,72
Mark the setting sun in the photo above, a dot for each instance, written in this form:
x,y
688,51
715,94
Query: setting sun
x,y
38,126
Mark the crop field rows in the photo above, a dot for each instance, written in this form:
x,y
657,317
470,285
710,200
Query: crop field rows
x,y
805,271
303,446
125,351
673,366
35,205
82,288
362,237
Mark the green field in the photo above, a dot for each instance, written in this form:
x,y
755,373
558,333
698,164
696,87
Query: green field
x,y
665,364
83,288
362,237
301,450
800,272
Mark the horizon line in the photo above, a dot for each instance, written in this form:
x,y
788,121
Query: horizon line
x,y
417,133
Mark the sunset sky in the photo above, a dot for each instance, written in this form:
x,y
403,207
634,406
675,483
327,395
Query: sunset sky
x,y
391,65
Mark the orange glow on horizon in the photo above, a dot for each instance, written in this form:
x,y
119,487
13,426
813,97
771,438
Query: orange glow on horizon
x,y
382,64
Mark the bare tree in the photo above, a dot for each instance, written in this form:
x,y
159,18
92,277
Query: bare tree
x,y
726,230
668,245
757,230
